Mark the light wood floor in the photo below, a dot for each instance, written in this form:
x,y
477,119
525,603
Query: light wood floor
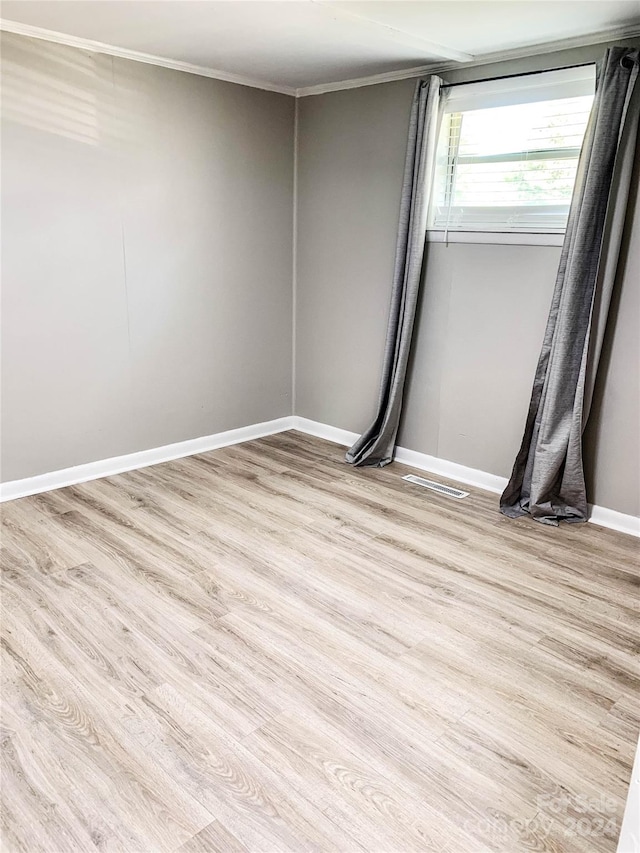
x,y
264,649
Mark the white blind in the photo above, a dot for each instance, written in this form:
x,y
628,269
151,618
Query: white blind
x,y
508,152
528,88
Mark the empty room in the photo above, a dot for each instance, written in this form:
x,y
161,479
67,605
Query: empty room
x,y
320,426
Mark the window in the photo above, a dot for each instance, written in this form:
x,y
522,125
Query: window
x,y
508,152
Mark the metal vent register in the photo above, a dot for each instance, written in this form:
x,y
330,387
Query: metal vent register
x,y
458,494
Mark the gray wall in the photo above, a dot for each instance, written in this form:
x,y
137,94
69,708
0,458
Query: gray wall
x,y
482,313
146,262
146,272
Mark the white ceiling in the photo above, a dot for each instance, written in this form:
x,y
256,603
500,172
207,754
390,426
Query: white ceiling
x,y
293,44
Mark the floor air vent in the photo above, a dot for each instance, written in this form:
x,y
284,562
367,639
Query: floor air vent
x,y
436,487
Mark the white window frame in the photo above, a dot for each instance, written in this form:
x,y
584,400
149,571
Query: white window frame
x,y
527,88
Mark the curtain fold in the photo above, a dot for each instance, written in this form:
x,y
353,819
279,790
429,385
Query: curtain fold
x,y
375,447
547,481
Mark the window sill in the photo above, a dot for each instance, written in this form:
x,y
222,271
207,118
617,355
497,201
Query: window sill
x,y
510,238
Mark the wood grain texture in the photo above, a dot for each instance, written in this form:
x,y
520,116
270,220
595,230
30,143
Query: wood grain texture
x,y
262,649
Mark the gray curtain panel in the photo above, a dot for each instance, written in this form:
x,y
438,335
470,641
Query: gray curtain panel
x,y
375,447
548,478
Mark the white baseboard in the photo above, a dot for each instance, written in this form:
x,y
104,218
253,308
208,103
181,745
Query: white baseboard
x,y
615,520
461,474
329,433
118,464
444,468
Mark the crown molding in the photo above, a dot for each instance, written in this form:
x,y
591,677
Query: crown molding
x,y
320,89
386,77
137,56
601,37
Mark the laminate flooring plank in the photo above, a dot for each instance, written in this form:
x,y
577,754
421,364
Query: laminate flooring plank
x,y
61,715
248,796
214,838
263,649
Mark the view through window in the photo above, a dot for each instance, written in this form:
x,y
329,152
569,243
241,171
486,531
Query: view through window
x,y
510,167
